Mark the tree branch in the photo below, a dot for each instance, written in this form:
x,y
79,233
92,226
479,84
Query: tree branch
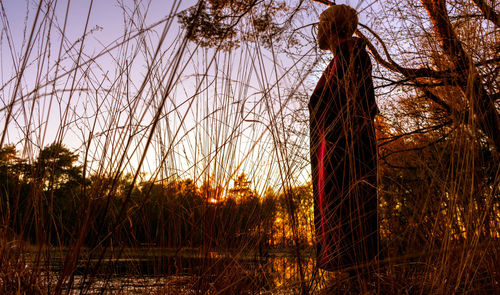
x,y
436,99
395,67
484,108
326,2
488,12
445,32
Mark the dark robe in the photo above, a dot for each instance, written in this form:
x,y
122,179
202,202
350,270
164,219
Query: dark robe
x,y
344,160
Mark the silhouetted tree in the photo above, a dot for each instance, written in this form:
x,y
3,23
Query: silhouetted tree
x,y
57,186
56,168
225,24
13,189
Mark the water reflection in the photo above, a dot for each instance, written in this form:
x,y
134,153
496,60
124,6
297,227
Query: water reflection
x,y
215,273
212,274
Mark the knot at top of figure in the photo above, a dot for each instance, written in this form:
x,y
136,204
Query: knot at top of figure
x,y
336,25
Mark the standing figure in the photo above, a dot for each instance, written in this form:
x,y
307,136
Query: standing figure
x,y
343,147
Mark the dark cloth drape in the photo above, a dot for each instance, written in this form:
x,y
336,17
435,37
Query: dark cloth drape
x,y
344,160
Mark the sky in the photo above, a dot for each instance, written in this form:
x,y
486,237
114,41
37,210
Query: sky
x,y
220,113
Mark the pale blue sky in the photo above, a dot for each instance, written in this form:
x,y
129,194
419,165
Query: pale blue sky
x,y
206,130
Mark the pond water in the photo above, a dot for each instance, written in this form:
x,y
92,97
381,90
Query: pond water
x,y
213,274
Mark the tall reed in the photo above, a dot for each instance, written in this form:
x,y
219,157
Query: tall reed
x,y
145,161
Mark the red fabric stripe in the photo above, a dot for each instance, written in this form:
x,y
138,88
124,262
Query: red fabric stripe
x,y
326,77
321,186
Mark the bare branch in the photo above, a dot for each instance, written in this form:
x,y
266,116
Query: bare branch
x,y
437,100
326,2
487,115
488,12
395,67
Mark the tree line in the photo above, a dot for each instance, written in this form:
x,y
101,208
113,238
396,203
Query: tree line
x,y
50,202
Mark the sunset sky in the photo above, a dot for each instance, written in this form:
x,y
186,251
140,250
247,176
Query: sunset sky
x,y
225,112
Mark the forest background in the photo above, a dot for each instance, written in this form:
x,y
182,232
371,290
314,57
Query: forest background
x,y
184,127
